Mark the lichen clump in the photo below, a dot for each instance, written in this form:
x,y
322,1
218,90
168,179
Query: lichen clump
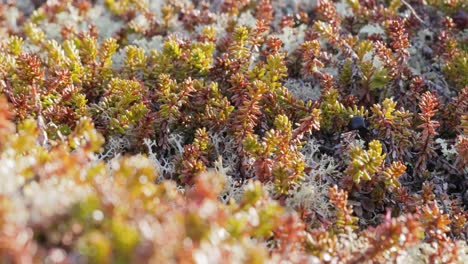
x,y
250,131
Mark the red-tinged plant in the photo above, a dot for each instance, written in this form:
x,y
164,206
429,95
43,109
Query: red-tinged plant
x,y
386,56
92,62
394,126
245,118
206,186
239,48
453,55
437,226
122,106
320,243
17,244
257,36
307,124
30,69
446,251
287,21
210,106
407,202
312,57
192,17
6,126
427,193
454,117
411,97
265,11
435,223
234,6
25,91
290,234
399,39
459,223
143,129
273,45
429,106
326,11
383,116
462,148
461,114
194,159
359,74
277,158
328,26
392,235
171,98
283,102
395,57
238,87
344,213
334,113
392,173
191,164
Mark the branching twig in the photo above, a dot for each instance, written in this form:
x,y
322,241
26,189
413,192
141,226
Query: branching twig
x,y
413,12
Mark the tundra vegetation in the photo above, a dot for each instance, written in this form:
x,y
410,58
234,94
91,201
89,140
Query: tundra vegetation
x,y
233,131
